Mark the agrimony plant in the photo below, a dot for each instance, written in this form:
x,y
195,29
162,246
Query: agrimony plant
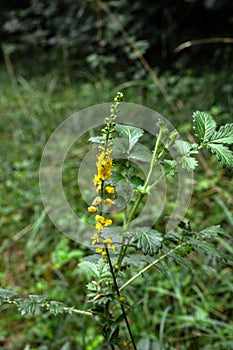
x,y
122,253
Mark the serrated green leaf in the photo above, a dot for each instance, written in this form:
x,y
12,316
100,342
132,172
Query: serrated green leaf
x,y
183,147
99,271
223,154
89,268
140,153
211,231
148,241
201,246
170,167
55,307
204,126
223,135
180,260
188,163
130,133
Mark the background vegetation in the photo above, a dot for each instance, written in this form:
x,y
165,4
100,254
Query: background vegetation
x,y
60,57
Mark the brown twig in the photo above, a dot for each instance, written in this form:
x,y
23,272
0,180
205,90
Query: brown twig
x,y
204,41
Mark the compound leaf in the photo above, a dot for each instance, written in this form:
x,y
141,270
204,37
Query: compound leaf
x,y
149,242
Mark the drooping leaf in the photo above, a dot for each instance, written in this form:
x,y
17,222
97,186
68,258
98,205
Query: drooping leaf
x,y
223,154
223,135
130,133
204,126
148,241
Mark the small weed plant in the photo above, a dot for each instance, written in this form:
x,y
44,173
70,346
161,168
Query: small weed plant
x,y
122,251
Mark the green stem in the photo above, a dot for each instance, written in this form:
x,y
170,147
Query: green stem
x,y
118,295
146,184
136,204
86,313
154,158
140,273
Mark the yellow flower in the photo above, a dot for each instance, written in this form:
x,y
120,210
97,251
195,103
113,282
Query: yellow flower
x,y
108,242
91,209
99,226
122,299
108,222
109,201
109,189
95,239
100,218
97,200
101,250
102,222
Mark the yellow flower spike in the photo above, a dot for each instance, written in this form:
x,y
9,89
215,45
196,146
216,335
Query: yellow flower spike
x,y
104,166
92,209
104,253
105,260
109,189
122,299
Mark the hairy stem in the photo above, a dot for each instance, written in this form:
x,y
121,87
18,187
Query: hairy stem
x,y
118,295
